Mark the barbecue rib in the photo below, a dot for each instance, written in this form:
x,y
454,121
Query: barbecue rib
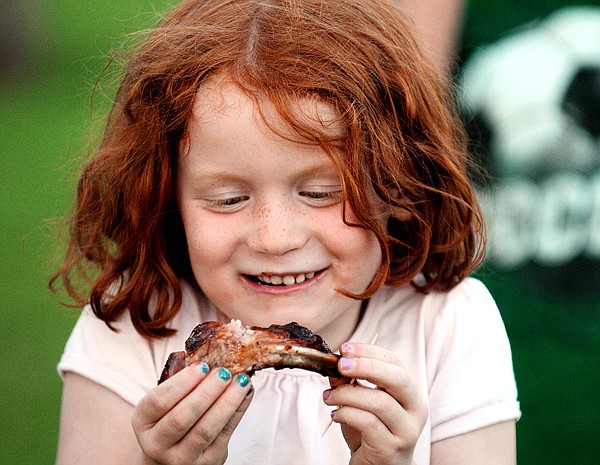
x,y
243,349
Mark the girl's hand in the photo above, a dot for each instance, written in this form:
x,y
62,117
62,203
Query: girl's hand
x,y
189,419
381,426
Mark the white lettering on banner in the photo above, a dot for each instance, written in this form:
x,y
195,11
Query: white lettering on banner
x,y
566,207
551,222
511,217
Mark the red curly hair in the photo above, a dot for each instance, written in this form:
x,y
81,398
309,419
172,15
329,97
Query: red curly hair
x,y
403,141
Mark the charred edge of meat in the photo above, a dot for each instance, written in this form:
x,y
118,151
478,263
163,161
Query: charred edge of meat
x,y
175,363
201,334
300,333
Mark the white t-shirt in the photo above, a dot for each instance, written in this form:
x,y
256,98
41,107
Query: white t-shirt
x,y
453,343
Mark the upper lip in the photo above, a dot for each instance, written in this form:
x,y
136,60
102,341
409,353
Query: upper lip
x,y
285,273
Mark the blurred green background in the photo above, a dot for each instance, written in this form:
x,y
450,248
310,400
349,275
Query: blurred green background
x,y
52,54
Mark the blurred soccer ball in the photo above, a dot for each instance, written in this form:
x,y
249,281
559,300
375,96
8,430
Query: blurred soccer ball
x,y
532,101
534,96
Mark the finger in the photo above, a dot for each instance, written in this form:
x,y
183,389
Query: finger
x,y
163,398
219,419
381,368
216,452
179,421
360,420
358,349
378,404
376,440
223,439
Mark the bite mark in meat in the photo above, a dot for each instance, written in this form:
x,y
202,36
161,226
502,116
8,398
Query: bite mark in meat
x,y
246,349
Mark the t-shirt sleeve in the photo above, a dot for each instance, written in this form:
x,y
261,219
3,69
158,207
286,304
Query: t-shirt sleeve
x,y
122,361
472,383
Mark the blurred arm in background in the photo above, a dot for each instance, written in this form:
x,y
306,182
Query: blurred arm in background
x,y
438,25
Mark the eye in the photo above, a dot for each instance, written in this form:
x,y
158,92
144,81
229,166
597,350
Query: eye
x,y
233,200
326,197
227,203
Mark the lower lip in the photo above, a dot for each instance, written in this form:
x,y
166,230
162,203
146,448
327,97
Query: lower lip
x,y
282,289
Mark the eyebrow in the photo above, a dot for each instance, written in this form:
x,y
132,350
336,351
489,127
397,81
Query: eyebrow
x,y
320,168
324,166
204,175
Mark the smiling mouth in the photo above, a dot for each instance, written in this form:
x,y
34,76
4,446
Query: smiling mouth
x,y
281,280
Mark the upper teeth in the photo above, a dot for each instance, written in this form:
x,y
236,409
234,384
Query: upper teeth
x,y
286,280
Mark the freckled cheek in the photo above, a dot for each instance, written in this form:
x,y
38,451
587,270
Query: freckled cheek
x,y
359,256
208,243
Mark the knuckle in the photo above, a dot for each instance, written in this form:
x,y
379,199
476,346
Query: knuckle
x,y
371,422
203,436
213,458
403,375
373,365
153,450
232,402
179,455
395,360
178,424
404,379
341,394
136,421
154,403
400,444
228,429
381,403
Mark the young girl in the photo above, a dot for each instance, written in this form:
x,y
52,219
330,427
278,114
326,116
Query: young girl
x,y
275,161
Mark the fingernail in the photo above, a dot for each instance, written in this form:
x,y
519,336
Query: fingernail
x,y
243,380
346,348
346,363
203,367
224,374
326,394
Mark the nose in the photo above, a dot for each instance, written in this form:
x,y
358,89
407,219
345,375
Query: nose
x,y
276,228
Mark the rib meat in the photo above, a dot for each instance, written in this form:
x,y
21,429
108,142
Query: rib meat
x,y
246,349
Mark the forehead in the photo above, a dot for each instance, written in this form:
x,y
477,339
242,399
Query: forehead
x,y
220,97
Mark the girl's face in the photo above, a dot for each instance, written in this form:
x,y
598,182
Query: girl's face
x,y
263,219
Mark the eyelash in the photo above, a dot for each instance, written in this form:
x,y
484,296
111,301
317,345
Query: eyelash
x,y
327,195
228,202
324,197
234,200
320,195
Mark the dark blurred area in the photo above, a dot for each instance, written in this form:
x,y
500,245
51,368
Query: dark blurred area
x,y
13,42
529,79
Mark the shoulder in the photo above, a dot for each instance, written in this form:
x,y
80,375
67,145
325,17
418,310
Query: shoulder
x,y
469,362
456,345
469,303
470,299
441,329
462,318
470,291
